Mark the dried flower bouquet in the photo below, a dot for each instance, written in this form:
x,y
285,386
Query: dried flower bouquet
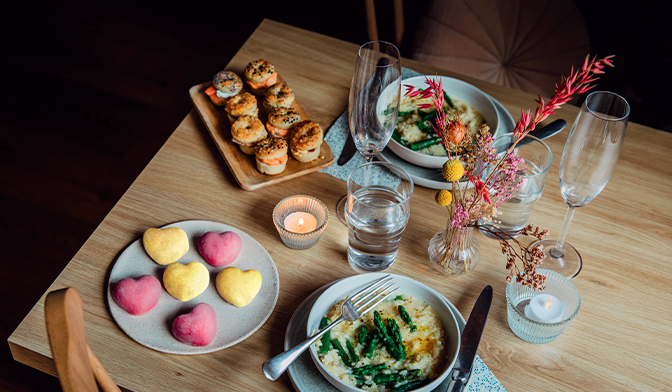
x,y
482,181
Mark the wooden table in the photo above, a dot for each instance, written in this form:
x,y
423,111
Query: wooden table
x,y
619,341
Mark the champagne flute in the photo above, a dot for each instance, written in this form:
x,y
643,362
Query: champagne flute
x,y
373,107
588,160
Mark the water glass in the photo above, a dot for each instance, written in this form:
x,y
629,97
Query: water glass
x,y
376,211
515,212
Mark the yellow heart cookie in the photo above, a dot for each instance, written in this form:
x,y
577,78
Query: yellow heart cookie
x,y
165,246
186,282
238,287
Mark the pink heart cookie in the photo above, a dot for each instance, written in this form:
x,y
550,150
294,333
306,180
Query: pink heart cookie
x,y
220,249
198,327
137,296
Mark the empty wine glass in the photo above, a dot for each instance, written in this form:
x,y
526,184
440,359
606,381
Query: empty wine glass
x,y
588,160
373,106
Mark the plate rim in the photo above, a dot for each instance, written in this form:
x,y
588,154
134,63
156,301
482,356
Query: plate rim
x,y
116,311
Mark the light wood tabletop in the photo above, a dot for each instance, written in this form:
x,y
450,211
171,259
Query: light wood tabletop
x,y
619,341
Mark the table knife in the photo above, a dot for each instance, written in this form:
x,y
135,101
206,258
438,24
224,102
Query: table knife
x,y
471,337
349,150
545,132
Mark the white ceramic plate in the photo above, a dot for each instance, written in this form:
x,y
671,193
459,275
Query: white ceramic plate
x,y
153,329
303,373
432,178
456,89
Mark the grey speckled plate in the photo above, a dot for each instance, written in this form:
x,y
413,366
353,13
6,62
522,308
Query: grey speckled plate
x,y
303,372
432,178
153,329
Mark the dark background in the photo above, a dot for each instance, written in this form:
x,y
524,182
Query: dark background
x,y
91,92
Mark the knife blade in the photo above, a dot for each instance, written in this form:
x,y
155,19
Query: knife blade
x,y
349,148
471,337
545,132
348,151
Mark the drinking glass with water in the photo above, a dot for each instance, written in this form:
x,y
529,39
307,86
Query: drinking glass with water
x,y
515,212
377,210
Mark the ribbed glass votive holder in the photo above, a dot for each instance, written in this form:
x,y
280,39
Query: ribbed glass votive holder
x,y
519,296
300,203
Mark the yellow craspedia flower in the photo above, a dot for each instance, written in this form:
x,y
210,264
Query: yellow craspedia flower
x,y
453,170
443,197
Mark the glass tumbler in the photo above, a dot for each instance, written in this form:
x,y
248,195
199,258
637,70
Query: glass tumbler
x,y
538,157
376,211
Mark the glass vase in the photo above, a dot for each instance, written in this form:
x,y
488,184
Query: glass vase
x,y
455,250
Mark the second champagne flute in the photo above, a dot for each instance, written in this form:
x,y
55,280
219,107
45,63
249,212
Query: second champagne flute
x,y
588,160
375,93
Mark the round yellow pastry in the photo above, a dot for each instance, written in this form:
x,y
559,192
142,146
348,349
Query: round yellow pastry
x,y
238,287
165,246
186,281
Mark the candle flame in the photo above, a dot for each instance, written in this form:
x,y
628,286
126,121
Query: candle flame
x,y
301,224
548,303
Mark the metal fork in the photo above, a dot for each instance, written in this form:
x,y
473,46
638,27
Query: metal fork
x,y
354,308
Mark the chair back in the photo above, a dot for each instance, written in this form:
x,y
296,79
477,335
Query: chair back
x,y
77,367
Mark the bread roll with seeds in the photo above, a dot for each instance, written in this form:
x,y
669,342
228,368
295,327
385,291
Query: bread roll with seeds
x,y
307,138
271,155
279,95
281,120
246,132
260,75
243,104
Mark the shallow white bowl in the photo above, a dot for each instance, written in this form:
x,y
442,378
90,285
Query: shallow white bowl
x,y
408,286
456,89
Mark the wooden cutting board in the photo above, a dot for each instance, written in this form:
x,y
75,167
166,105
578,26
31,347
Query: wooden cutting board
x,y
243,166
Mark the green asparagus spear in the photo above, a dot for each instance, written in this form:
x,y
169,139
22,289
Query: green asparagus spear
x,y
414,328
372,346
353,357
399,297
368,369
387,339
385,378
397,137
410,374
448,100
363,334
395,333
424,143
404,315
341,352
405,113
326,338
413,384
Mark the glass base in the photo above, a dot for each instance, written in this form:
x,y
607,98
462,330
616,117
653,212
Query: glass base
x,y
567,263
340,209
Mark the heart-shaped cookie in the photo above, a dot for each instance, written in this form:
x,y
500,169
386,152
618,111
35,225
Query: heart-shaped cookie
x,y
186,282
137,296
198,327
238,287
167,245
220,250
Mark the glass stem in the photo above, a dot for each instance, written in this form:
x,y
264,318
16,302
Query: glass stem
x,y
557,251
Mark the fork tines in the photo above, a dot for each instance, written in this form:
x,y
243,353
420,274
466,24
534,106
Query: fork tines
x,y
373,294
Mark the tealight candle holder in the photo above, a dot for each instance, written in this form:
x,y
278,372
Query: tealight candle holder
x,y
541,316
300,221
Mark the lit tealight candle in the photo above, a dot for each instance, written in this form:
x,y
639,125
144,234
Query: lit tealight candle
x,y
545,308
300,222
